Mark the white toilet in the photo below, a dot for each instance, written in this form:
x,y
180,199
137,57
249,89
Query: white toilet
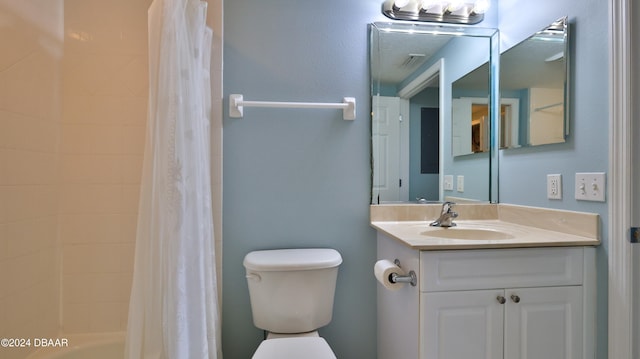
x,y
291,292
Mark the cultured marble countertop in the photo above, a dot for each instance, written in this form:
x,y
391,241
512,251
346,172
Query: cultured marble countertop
x,y
513,226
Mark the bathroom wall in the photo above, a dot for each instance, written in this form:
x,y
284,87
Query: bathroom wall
x,y
293,177
523,171
30,111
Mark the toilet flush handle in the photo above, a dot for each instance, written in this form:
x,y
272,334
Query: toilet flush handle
x,y
254,276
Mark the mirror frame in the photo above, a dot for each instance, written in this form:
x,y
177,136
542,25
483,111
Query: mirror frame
x,y
494,90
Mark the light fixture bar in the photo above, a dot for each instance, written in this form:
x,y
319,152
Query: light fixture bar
x,y
455,11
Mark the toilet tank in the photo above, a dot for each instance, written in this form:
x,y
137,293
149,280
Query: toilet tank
x,y
291,290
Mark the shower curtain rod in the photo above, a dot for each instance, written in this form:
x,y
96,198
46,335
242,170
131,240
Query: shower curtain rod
x,y
237,104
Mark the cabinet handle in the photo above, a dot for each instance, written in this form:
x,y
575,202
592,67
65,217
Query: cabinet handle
x,y
515,298
501,299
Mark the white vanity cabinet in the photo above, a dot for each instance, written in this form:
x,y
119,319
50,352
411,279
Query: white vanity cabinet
x,y
518,303
545,323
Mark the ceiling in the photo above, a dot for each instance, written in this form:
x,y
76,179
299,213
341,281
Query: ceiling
x,y
524,65
396,48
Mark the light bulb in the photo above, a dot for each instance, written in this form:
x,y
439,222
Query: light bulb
x,y
426,4
400,3
429,5
455,5
481,6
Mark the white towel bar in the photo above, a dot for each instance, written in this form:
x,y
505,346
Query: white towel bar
x,y
237,104
548,106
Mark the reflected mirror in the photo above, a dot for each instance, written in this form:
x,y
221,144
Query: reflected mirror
x,y
415,73
470,113
534,89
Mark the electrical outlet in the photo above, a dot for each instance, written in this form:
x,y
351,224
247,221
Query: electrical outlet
x,y
590,186
554,186
460,186
448,183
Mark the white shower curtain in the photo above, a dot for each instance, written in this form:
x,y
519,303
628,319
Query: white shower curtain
x,y
173,312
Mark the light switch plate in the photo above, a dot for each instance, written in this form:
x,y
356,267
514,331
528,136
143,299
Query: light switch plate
x,y
460,186
590,186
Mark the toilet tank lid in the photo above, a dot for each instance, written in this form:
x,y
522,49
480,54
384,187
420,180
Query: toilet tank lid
x,y
292,259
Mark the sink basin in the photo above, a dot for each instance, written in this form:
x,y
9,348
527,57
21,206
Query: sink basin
x,y
467,233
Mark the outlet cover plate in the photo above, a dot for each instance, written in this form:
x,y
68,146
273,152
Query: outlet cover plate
x,y
590,186
554,186
448,182
460,186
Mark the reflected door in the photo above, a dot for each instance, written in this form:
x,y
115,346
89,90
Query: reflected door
x,y
390,167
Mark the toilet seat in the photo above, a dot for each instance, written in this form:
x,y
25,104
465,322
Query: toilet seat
x,y
294,348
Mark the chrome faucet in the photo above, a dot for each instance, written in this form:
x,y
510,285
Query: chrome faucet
x,y
446,216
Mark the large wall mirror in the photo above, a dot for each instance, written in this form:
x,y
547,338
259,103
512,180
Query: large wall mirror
x,y
421,75
534,89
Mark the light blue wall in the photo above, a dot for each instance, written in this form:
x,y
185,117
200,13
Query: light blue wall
x,y
523,171
299,178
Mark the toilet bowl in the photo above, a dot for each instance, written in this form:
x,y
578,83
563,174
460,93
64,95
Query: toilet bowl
x,y
291,293
294,348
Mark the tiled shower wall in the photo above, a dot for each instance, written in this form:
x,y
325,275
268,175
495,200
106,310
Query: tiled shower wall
x,y
102,142
31,36
101,149
73,94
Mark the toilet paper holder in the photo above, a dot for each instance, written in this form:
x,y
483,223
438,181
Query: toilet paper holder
x,y
411,278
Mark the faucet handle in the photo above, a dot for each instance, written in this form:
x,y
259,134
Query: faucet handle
x,y
447,206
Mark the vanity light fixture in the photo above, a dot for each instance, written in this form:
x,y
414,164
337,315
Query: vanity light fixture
x,y
451,11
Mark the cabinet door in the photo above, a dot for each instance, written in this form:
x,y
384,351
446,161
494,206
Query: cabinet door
x,y
461,325
543,323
